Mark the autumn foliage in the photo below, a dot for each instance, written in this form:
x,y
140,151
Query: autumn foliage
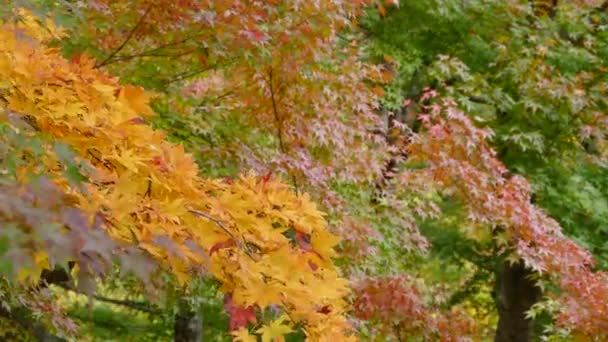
x,y
461,162
146,191
395,304
321,191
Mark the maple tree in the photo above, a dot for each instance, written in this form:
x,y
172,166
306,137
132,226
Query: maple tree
x,y
146,192
481,116
536,81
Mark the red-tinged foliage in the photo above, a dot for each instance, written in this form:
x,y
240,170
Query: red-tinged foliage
x,y
221,245
240,317
356,238
461,162
277,66
303,241
395,304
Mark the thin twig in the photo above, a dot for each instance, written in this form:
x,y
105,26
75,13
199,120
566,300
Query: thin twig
x,y
140,306
223,227
153,54
154,51
149,189
279,122
213,219
184,75
173,43
124,43
397,332
276,112
226,94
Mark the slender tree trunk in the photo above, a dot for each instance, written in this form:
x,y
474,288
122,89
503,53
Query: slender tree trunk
x,y
516,293
188,326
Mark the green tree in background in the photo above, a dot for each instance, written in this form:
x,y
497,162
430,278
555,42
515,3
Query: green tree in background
x,y
538,81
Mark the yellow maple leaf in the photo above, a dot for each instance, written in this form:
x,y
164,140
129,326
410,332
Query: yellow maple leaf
x,y
137,99
129,160
257,291
275,330
323,242
31,26
243,335
55,31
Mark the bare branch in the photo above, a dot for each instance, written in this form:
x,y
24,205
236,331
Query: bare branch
x,y
124,43
279,123
139,306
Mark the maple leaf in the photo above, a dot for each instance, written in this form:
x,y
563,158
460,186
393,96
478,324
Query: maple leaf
x,y
243,335
275,330
323,243
137,99
221,245
303,240
239,316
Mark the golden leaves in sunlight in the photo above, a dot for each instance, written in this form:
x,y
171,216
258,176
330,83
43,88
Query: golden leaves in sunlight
x,y
150,194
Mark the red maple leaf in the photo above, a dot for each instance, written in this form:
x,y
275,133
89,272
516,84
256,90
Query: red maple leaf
x,y
239,316
222,245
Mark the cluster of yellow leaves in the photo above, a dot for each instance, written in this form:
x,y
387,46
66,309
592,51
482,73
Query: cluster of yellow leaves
x,y
275,330
150,194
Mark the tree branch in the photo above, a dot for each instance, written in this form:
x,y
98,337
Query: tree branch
x,y
219,223
153,54
124,43
188,74
279,123
276,113
139,306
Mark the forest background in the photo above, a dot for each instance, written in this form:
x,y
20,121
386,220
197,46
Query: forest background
x,y
303,170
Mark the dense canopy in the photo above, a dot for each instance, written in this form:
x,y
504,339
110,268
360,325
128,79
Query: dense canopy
x,y
303,170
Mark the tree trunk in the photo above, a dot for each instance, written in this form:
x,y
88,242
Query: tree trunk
x,y
188,326
516,293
